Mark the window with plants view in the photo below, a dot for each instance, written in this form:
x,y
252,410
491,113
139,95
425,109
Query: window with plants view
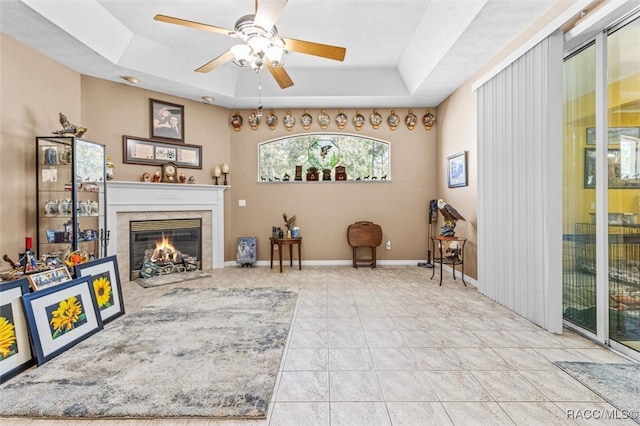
x,y
363,158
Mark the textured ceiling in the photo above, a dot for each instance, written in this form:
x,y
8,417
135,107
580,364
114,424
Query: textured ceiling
x,y
399,53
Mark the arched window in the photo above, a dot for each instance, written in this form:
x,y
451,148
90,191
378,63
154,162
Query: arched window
x,y
363,158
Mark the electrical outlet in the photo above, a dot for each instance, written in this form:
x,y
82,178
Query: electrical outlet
x,y
388,245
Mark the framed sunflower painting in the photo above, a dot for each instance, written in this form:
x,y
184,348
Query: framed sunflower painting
x,y
15,351
106,286
61,316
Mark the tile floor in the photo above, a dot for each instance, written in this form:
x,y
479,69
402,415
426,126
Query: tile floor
x,y
388,346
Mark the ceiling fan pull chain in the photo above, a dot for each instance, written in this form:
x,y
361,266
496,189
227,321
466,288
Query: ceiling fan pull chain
x,y
259,114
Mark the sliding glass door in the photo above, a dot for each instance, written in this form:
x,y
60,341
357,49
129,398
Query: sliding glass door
x,y
623,189
579,226
601,151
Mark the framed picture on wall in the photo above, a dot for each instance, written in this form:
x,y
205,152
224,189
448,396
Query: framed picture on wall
x,y
167,120
153,152
457,170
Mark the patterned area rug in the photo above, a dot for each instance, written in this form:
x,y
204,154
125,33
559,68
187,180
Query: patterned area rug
x,y
618,384
211,353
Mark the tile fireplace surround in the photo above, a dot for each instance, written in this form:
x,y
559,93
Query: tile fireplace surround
x,y
127,201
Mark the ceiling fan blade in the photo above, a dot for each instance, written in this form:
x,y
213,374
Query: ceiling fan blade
x,y
268,12
226,56
336,53
280,75
192,24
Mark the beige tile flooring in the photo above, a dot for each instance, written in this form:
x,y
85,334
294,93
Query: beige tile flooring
x,y
388,346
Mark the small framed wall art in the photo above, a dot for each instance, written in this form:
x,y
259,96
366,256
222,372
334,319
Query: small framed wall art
x,y
457,170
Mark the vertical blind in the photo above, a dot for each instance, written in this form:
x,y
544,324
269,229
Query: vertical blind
x,y
520,185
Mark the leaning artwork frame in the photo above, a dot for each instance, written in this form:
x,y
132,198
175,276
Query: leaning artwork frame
x,y
457,170
15,349
152,152
49,278
167,120
61,316
105,284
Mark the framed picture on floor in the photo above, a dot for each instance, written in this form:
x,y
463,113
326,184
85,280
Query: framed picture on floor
x,y
61,316
15,350
105,283
457,170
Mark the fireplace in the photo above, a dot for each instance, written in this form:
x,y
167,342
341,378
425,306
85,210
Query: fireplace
x,y
143,201
166,246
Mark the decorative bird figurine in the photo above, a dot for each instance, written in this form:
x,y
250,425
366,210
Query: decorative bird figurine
x,y
69,129
324,151
451,217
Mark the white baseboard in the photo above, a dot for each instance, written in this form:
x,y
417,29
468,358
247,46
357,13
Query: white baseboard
x,y
329,262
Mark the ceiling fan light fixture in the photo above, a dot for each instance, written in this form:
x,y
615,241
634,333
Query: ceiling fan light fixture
x,y
258,44
242,55
274,54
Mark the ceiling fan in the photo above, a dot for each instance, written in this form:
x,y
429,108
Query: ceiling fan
x,y
261,46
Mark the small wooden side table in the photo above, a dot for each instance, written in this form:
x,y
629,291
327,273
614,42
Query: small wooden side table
x,y
286,242
455,258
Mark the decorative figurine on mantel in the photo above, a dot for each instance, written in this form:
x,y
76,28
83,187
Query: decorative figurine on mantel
x,y
69,129
110,168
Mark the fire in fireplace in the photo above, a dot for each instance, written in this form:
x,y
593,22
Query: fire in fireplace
x,y
159,247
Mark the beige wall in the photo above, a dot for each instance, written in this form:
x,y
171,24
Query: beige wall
x,y
35,89
457,132
324,210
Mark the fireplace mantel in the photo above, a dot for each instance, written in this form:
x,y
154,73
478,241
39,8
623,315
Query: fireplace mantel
x,y
143,197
